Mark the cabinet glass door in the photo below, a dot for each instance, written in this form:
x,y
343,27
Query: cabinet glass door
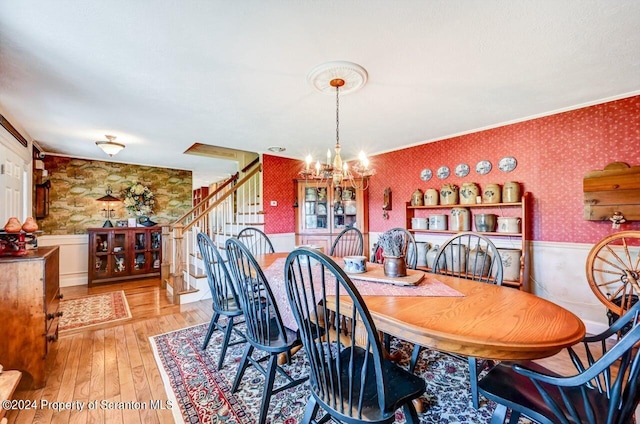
x,y
140,251
315,212
119,249
156,246
345,209
101,254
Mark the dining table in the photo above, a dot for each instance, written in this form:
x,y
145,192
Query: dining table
x,y
453,314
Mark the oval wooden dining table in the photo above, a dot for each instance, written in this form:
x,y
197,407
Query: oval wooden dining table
x,y
488,321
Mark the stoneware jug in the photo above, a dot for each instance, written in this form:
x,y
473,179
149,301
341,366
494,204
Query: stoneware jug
x,y
395,266
456,257
417,198
469,193
491,193
422,247
449,194
511,192
431,257
431,197
478,262
460,219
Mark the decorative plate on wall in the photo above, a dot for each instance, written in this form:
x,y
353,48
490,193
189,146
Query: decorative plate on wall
x,y
426,174
483,167
443,172
507,164
462,170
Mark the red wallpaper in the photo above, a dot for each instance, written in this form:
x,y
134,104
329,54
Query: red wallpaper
x,y
277,179
553,154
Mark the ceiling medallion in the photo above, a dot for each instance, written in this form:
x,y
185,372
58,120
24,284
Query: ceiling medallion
x,y
336,78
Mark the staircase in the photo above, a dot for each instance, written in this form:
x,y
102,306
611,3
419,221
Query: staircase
x,y
234,205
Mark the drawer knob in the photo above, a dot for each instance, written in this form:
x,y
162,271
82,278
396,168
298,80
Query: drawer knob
x,y
59,313
50,316
52,338
60,296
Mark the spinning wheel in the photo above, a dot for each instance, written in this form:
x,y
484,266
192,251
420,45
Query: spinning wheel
x,y
613,270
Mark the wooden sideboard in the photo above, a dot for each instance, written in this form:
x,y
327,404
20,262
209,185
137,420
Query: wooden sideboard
x,y
117,254
29,299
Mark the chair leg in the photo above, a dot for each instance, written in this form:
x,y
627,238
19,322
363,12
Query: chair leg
x,y
225,342
212,326
410,414
243,366
269,379
414,358
499,414
473,379
310,411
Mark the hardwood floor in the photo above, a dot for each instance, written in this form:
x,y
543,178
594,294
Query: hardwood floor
x,y
114,362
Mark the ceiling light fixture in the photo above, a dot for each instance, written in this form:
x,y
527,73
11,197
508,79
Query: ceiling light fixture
x,y
326,78
110,147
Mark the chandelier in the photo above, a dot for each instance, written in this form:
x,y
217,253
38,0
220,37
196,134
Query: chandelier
x,y
326,78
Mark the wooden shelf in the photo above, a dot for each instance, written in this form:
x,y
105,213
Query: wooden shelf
x,y
474,205
488,234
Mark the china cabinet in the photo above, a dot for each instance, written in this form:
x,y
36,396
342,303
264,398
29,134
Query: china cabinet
x,y
509,212
325,210
123,253
30,298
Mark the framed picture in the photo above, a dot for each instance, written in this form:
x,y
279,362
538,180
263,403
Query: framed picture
x,y
122,223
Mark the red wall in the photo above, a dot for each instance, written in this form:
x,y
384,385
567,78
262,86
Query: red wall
x,y
553,153
277,180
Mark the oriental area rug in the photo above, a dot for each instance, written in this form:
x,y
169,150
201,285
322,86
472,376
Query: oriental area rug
x,y
93,310
202,394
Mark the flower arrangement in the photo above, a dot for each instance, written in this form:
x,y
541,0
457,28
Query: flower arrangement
x,y
138,199
392,243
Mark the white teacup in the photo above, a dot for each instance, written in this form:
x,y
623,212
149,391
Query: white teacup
x,y
355,264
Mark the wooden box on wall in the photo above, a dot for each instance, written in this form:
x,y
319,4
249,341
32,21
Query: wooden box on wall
x,y
614,189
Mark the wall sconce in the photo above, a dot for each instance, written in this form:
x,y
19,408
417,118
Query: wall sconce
x,y
107,207
110,147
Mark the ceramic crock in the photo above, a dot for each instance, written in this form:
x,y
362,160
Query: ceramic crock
x,y
417,198
485,222
469,193
510,264
438,222
419,223
509,224
395,266
456,257
355,264
460,219
449,194
511,192
431,197
491,193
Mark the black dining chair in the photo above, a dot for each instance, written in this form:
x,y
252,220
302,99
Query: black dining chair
x,y
471,256
256,241
410,249
264,328
223,296
605,390
349,378
348,243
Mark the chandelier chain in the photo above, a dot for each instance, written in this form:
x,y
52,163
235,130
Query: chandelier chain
x,y
337,114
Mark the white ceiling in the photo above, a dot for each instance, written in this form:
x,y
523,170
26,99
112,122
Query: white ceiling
x,y
163,74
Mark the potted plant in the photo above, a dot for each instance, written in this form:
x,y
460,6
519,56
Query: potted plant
x,y
394,246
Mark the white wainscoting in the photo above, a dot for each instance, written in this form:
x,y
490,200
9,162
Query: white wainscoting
x,y
73,257
557,270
